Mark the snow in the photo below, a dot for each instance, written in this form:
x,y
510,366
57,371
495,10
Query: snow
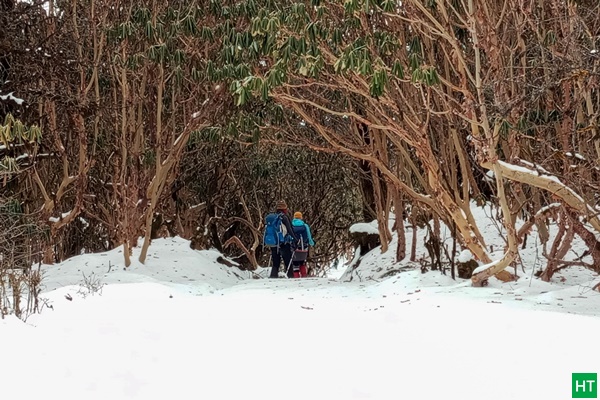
x,y
184,326
197,205
549,207
465,256
170,262
485,266
577,155
10,96
84,222
518,168
363,227
546,175
536,167
552,178
62,216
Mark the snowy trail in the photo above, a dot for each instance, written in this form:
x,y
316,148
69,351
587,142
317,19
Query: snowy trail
x,y
186,327
321,341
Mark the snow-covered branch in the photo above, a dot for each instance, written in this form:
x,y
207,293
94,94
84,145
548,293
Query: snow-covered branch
x,y
550,183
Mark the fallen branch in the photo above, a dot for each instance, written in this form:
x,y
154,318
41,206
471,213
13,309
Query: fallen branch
x,y
235,240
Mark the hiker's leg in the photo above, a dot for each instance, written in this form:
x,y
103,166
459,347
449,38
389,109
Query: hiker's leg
x,y
296,265
303,271
286,254
276,258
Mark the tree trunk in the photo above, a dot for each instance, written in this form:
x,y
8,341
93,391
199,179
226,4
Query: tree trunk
x,y
511,253
159,174
399,224
560,248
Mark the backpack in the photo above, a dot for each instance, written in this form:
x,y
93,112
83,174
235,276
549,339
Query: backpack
x,y
274,230
302,235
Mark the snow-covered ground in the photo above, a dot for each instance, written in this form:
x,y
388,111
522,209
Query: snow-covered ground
x,y
185,326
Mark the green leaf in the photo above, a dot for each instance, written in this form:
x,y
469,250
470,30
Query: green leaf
x,y
152,53
414,46
196,74
312,31
549,38
350,6
215,7
255,27
251,7
35,134
398,70
378,83
366,68
189,24
320,11
431,76
427,77
286,50
126,30
9,120
206,33
174,29
132,62
431,4
254,49
179,57
388,5
316,67
504,128
159,30
149,30
417,76
414,62
141,15
4,135
242,96
170,14
9,165
336,36
178,75
340,65
301,45
264,91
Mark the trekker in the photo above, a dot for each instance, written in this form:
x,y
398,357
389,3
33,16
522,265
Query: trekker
x,y
279,236
302,231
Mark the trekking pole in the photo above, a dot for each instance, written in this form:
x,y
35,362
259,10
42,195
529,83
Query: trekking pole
x,y
290,264
269,265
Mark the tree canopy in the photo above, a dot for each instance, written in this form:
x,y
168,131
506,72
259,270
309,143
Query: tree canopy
x,y
195,117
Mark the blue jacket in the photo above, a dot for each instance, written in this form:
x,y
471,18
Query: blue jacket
x,y
298,225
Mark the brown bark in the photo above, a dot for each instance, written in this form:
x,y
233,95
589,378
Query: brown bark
x,y
399,225
559,249
552,185
163,172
